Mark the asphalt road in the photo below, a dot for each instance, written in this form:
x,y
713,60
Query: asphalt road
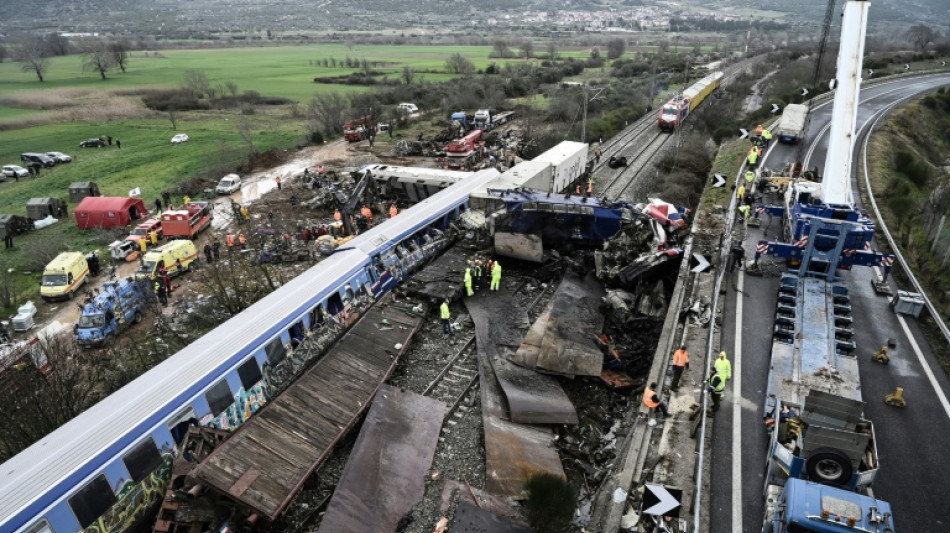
x,y
914,474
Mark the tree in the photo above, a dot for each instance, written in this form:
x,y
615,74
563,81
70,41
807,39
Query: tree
x,y
527,49
615,48
173,117
326,113
57,45
196,82
552,50
408,74
921,35
33,54
97,57
3,54
459,64
120,53
595,53
231,87
500,49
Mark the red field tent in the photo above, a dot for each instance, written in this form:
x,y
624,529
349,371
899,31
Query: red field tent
x,y
108,211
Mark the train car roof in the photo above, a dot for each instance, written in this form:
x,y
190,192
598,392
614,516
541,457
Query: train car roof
x,y
69,455
422,213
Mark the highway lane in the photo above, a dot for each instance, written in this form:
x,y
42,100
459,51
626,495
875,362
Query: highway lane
x,y
914,476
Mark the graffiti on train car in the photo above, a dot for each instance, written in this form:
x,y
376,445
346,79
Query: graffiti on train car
x,y
246,403
135,500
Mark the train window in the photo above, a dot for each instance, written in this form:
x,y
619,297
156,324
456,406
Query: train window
x,y
276,352
40,527
334,304
91,501
142,460
250,373
317,317
178,426
219,397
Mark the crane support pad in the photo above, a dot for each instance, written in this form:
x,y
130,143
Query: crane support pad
x,y
385,474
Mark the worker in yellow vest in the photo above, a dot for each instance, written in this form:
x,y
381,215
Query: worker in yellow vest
x,y
445,315
723,366
495,276
468,282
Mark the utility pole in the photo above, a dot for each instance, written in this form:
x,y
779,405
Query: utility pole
x,y
597,96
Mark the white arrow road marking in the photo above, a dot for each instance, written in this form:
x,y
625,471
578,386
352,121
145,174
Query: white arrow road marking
x,y
745,133
703,263
720,180
804,92
667,501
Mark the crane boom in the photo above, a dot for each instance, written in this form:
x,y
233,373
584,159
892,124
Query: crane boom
x,y
836,189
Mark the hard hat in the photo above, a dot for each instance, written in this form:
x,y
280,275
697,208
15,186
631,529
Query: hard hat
x,y
722,354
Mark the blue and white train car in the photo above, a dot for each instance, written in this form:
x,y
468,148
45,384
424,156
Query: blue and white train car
x,y
110,466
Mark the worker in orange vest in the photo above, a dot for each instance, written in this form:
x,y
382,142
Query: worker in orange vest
x,y
230,241
278,182
243,240
393,211
337,216
652,400
680,363
590,186
365,211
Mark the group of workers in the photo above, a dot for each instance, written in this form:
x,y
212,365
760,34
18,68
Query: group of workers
x,y
477,271
715,386
760,141
163,282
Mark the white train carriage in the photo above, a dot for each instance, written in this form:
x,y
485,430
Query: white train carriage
x,y
105,469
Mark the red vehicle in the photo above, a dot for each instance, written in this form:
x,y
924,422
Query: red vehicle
x,y
673,113
188,222
143,230
358,129
464,150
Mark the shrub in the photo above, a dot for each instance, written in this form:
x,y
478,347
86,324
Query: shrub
x,y
909,165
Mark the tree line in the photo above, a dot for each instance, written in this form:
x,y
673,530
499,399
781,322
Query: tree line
x,y
34,51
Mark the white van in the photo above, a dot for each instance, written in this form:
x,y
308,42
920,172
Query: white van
x,y
228,184
409,109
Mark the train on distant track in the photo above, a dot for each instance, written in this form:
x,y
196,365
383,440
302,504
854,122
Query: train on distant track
x,y
675,111
109,467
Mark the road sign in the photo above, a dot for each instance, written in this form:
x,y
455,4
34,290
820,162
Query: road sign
x,y
906,66
870,72
661,501
775,108
720,180
943,63
702,264
804,92
745,133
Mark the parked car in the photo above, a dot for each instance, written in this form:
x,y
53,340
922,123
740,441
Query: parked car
x,y
12,171
408,108
92,143
33,159
180,138
60,157
23,321
228,184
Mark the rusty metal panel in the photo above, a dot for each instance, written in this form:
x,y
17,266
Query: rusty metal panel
x,y
471,519
386,471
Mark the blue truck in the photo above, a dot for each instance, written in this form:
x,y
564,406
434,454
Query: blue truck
x,y
812,507
117,306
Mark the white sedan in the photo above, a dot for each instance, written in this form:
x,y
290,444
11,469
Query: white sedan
x,y
15,171
60,157
180,138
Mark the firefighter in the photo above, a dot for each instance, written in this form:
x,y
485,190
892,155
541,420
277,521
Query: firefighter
x,y
468,282
216,248
245,216
209,255
185,200
160,292
495,276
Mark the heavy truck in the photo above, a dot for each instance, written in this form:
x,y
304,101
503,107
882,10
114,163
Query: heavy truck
x,y
118,306
822,457
485,119
791,127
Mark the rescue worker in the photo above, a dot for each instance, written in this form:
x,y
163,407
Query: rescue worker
x,y
738,254
277,180
230,243
597,155
244,214
753,157
468,282
160,292
242,240
158,206
749,177
590,186
740,192
167,281
179,268
577,190
166,198
478,273
337,215
366,212
143,245
216,248
393,211
652,400
746,211
723,366
185,201
716,388
767,137
446,317
680,363
209,256
153,236
495,276
94,263
758,129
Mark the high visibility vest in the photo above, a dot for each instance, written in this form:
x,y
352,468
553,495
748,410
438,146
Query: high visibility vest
x,y
717,383
143,245
723,367
648,394
767,135
468,277
242,239
749,176
745,210
230,239
496,271
445,311
740,192
753,156
680,357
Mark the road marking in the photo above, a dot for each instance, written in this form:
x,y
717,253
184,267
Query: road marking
x,y
737,412
923,362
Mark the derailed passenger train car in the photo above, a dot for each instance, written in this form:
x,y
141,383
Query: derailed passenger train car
x,y
109,467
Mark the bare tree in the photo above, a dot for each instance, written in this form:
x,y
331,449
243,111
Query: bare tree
x,y
527,49
32,52
231,87
196,82
552,50
408,74
57,45
921,35
500,49
326,112
245,131
120,53
173,116
459,64
615,48
97,57
595,53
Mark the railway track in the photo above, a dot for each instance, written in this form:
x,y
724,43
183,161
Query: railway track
x,y
652,143
452,384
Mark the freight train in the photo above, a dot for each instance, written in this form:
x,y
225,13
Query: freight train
x,y
109,467
674,112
